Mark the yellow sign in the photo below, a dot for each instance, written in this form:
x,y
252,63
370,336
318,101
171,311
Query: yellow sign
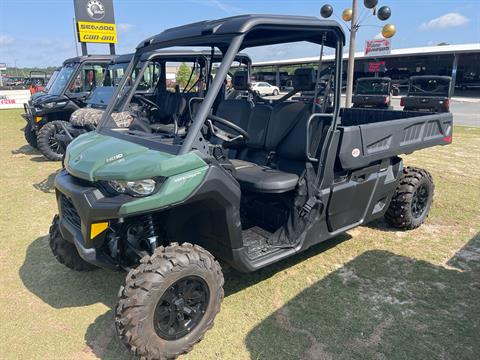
x,y
96,32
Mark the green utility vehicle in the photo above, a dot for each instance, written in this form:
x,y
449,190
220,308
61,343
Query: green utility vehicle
x,y
250,183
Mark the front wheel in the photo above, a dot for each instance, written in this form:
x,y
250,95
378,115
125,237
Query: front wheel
x,y
412,200
169,301
65,252
30,135
275,92
47,140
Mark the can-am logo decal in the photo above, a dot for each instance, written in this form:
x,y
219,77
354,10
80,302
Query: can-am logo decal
x,y
114,157
95,9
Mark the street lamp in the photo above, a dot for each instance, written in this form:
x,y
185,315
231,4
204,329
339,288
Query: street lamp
x,y
351,15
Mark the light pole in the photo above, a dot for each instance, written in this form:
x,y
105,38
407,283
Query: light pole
x,y
351,15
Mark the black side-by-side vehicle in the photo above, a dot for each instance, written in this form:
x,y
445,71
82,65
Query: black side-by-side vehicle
x,y
428,93
250,182
68,91
373,92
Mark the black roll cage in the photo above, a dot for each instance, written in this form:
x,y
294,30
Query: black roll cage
x,y
230,36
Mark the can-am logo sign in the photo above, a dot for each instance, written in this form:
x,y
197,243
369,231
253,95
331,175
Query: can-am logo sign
x,y
378,47
95,9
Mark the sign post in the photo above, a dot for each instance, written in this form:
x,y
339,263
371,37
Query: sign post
x,y
95,23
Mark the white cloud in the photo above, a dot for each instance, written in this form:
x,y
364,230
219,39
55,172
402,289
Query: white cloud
x,y
379,36
446,21
124,28
220,5
6,39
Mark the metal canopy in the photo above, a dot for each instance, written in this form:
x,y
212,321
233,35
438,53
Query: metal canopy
x,y
80,59
258,30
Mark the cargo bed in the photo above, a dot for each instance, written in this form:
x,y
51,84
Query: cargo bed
x,y
369,135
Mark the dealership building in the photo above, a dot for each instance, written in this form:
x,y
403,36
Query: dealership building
x,y
461,62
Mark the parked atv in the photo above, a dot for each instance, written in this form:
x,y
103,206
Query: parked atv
x,y
373,93
165,207
74,82
428,93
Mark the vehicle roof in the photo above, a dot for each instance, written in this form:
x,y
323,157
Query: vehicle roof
x,y
181,55
259,30
439,77
80,59
374,78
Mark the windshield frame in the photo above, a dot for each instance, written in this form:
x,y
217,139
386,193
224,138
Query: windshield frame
x,y
371,80
413,83
75,67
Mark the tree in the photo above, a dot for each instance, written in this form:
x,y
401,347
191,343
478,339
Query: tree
x,y
442,44
183,74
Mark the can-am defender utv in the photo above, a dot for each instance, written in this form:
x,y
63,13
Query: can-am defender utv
x,y
165,207
429,93
373,92
165,110
72,85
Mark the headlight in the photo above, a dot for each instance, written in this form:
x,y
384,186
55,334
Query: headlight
x,y
135,188
53,104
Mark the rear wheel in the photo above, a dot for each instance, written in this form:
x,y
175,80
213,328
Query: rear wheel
x,y
48,144
30,136
169,301
65,252
412,200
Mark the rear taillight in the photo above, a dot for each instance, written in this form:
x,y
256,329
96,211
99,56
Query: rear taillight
x,y
446,104
402,102
386,99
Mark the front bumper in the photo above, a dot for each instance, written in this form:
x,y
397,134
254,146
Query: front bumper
x,y
80,205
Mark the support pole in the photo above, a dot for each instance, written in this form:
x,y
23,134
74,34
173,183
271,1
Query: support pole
x,y
277,76
351,55
75,35
454,73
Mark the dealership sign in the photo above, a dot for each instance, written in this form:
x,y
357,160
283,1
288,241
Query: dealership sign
x,y
95,21
375,66
377,47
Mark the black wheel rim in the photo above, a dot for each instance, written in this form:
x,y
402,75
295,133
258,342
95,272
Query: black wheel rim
x,y
54,144
420,200
181,307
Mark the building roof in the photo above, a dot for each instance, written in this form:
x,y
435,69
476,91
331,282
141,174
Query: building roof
x,y
426,50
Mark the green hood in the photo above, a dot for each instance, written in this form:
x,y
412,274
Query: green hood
x,y
93,157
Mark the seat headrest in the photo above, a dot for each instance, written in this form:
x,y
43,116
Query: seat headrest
x,y
304,79
240,80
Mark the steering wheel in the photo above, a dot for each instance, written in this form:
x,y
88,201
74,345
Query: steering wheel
x,y
151,105
224,135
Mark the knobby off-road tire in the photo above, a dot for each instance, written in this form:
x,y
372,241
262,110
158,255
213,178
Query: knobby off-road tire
x,y
148,301
47,144
412,200
65,252
30,136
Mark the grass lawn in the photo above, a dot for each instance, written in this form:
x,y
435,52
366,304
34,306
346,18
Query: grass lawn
x,y
373,293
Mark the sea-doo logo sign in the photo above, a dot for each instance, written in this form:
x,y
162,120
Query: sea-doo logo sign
x,y
95,9
95,21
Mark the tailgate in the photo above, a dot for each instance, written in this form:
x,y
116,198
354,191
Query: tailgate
x,y
366,143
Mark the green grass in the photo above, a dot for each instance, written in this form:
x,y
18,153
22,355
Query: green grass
x,y
373,293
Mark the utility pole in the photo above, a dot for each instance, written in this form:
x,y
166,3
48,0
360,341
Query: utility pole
x,y
351,54
351,16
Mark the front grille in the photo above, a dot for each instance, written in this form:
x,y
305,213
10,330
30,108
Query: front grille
x,y
69,212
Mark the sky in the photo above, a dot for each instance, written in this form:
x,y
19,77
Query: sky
x,y
40,32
